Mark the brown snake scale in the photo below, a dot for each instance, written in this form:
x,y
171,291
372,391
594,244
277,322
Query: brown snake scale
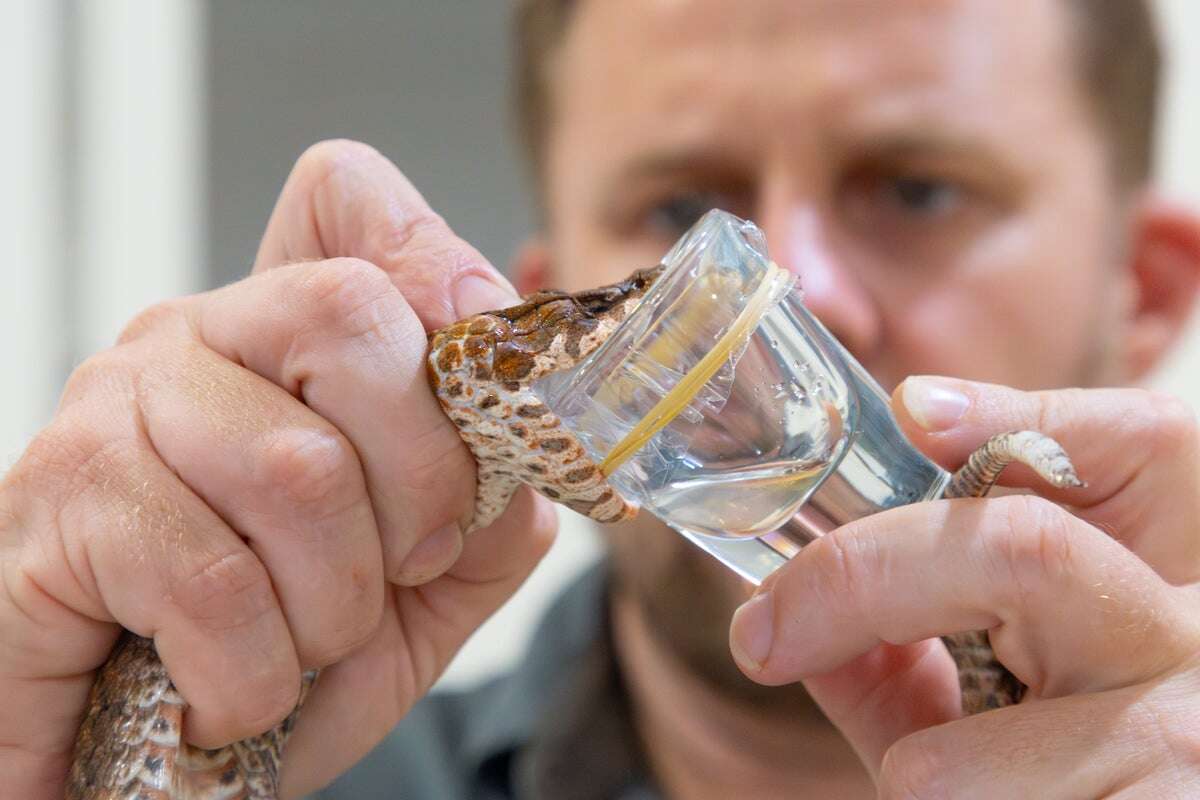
x,y
482,369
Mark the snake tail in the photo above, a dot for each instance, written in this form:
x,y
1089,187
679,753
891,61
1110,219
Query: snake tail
x,y
985,682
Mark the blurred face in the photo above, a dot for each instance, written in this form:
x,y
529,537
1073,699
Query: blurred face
x,y
927,167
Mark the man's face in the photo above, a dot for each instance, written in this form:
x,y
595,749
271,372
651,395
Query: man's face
x,y
928,167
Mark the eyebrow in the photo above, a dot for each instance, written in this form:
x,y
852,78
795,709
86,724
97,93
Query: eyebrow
x,y
902,144
682,160
724,168
715,166
881,143
895,145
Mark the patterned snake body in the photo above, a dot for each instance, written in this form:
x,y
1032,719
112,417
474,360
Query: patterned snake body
x,y
482,369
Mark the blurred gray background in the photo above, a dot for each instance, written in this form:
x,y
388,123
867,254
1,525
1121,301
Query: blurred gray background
x,y
424,82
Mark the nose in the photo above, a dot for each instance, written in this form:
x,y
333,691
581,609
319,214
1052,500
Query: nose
x,y
797,241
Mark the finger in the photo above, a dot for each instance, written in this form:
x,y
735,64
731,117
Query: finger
x,y
1068,609
445,612
494,562
338,335
131,543
282,477
887,693
345,199
1080,746
43,683
1138,452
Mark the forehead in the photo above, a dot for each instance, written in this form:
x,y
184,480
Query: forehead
x,y
751,70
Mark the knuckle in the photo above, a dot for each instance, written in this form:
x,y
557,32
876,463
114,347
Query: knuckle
x,y
1031,542
840,568
424,233
70,478
34,488
69,456
1173,427
58,450
162,316
107,373
1050,409
910,770
348,298
316,471
227,592
1058,411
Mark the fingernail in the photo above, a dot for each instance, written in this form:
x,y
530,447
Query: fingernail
x,y
751,631
431,557
474,294
935,403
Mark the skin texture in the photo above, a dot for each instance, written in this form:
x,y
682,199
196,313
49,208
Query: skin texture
x,y
255,478
261,476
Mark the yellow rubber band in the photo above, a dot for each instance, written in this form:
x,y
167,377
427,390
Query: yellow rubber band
x,y
675,401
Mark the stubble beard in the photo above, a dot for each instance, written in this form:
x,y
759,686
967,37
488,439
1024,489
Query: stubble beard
x,y
687,598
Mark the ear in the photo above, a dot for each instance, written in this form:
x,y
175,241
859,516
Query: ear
x,y
1165,264
531,267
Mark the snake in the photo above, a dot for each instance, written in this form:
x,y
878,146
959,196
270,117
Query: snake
x,y
482,369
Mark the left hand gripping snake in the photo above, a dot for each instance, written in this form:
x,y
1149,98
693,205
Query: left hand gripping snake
x,y
482,369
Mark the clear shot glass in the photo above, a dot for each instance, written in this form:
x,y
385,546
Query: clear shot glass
x,y
723,407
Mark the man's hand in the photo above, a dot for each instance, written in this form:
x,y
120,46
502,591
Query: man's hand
x,y
1093,608
260,479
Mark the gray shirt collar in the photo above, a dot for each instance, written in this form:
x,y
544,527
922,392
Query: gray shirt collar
x,y
560,725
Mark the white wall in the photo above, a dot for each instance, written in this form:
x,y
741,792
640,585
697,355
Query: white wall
x,y
140,74
102,209
30,221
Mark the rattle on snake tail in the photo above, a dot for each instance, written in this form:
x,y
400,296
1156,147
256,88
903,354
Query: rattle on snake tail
x,y
482,369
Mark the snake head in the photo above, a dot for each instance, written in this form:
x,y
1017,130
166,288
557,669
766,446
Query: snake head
x,y
482,370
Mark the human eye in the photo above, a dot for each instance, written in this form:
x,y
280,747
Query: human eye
x,y
896,196
915,213
923,196
671,215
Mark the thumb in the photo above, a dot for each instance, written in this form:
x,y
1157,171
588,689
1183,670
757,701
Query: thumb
x,y
344,198
875,699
